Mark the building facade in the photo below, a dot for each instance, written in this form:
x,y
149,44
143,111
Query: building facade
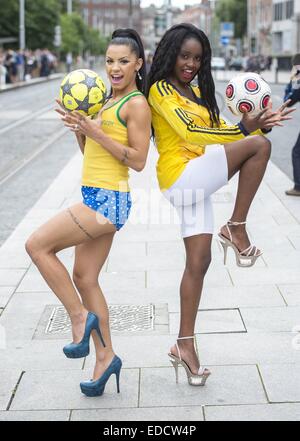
x,y
108,15
260,17
199,15
274,29
285,30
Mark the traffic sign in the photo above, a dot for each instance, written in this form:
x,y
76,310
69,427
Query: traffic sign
x,y
227,29
224,40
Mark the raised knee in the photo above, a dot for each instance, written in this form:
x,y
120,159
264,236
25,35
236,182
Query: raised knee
x,y
32,247
264,145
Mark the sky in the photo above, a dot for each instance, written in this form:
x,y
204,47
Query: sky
x,y
178,3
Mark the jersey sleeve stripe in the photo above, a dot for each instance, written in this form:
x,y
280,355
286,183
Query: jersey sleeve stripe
x,y
164,86
193,128
158,88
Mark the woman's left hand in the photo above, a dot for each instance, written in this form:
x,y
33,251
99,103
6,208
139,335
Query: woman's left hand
x,y
274,118
83,124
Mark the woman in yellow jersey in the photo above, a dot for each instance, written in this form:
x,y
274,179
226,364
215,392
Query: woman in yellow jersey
x,y
185,119
116,140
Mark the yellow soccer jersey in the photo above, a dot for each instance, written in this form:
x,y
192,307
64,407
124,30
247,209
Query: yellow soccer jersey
x,y
182,130
100,168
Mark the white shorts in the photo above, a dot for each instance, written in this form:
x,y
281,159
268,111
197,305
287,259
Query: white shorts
x,y
190,194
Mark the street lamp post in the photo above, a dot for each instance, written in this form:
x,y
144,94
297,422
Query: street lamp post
x,y
70,6
130,20
22,24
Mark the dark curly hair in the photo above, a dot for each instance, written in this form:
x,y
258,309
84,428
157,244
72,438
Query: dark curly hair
x,y
129,37
165,57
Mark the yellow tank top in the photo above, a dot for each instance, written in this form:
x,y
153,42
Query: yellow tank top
x,y
100,168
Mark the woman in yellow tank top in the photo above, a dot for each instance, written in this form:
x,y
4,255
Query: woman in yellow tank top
x,y
190,169
116,140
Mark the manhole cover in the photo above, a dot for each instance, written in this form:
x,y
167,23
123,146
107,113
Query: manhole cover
x,y
55,322
121,317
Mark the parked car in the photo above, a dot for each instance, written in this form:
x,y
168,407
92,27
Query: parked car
x,y
218,63
236,64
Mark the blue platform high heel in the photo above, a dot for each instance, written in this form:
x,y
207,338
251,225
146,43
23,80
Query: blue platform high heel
x,y
96,388
82,349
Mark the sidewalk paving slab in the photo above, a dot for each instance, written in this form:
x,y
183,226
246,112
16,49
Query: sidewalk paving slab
x,y
257,412
176,413
43,390
282,382
249,365
9,379
35,415
227,385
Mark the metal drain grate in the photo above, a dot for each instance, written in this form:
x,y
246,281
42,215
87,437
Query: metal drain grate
x,y
129,318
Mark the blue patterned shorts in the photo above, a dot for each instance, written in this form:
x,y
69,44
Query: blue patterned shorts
x,y
114,205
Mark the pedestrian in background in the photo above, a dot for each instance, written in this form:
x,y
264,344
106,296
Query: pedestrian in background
x,y
292,92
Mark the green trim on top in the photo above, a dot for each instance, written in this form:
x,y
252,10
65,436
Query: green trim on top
x,y
112,105
125,99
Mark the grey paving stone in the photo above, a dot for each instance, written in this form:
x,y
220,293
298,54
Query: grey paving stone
x,y
30,355
212,321
139,351
14,260
125,250
238,297
277,319
34,282
141,296
42,390
119,279
171,279
35,415
5,294
191,413
226,385
286,259
19,326
295,239
291,294
264,276
282,382
253,348
9,380
11,277
257,412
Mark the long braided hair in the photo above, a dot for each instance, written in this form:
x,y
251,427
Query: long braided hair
x,y
129,37
165,57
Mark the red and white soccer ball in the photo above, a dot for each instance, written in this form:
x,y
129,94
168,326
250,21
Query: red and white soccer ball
x,y
247,93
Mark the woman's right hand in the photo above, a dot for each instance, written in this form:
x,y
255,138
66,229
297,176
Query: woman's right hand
x,y
267,118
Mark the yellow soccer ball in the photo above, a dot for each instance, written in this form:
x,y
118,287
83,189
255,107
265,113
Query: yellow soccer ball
x,y
83,90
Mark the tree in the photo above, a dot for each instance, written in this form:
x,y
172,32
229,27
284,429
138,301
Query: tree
x,y
234,11
41,17
77,36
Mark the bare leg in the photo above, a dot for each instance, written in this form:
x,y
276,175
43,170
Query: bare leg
x,y
59,233
198,257
89,259
250,157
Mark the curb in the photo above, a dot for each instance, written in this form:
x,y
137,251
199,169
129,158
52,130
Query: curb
x,y
32,82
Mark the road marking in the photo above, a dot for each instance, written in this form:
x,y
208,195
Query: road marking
x,y
26,118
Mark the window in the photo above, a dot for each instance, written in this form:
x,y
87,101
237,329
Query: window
x,y
289,8
278,11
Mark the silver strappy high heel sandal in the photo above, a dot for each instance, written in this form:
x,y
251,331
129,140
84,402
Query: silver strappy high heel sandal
x,y
245,258
198,379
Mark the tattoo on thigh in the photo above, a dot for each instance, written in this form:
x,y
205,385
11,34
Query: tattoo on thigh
x,y
77,223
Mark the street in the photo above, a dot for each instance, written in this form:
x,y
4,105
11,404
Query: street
x,y
35,147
